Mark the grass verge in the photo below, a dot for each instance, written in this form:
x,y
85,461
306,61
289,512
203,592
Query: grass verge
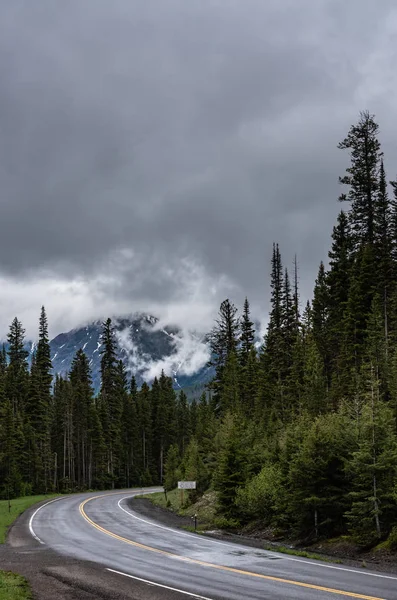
x,y
18,505
14,587
302,553
204,508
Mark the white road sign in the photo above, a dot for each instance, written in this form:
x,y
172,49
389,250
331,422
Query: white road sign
x,y
186,485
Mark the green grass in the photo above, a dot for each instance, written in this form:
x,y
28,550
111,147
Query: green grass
x,y
18,505
204,508
159,499
14,587
302,553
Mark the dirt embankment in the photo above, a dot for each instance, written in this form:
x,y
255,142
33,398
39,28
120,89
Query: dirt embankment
x,y
341,552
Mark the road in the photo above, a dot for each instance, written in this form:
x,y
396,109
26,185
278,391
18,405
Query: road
x,y
103,529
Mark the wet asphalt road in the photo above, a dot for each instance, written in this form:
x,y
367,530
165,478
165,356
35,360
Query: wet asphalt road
x,y
102,528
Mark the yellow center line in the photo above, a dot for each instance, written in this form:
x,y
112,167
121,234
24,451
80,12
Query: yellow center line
x,y
212,565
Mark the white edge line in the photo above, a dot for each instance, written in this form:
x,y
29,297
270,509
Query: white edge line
x,y
166,587
276,554
36,537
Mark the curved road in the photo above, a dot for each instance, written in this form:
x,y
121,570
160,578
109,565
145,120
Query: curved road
x,y
102,528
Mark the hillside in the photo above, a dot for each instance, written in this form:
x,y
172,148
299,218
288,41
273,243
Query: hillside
x,y
144,348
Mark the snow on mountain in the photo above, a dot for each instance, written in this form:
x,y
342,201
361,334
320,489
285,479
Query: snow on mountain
x,y
146,348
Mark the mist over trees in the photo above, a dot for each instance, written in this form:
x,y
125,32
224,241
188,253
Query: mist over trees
x,y
299,434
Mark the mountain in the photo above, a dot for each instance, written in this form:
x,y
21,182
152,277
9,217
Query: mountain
x,y
145,349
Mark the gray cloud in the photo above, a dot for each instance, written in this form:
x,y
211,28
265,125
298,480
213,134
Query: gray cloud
x,y
150,153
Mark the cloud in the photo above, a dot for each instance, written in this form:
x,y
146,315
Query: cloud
x,y
191,353
120,286
150,153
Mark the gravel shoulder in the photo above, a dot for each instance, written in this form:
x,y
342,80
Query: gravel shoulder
x,y
53,576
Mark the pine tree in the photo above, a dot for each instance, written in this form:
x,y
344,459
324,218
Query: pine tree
x,y
82,398
317,483
276,284
11,443
358,309
206,427
393,224
43,357
230,393
164,422
296,295
17,380
172,471
383,251
320,311
288,322
249,382
127,430
272,359
145,429
39,406
183,422
373,465
194,469
247,336
111,403
62,434
223,342
338,283
230,472
314,384
362,177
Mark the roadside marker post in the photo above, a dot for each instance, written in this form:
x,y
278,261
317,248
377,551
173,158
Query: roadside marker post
x,y
194,517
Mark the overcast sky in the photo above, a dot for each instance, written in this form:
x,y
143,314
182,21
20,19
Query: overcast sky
x,y
151,152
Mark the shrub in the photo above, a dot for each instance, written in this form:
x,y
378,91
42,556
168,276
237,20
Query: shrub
x,y
259,498
224,523
393,538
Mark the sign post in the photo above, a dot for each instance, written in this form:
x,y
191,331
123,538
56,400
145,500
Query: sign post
x,y
185,485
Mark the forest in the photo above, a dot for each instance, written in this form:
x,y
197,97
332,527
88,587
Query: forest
x,y
299,434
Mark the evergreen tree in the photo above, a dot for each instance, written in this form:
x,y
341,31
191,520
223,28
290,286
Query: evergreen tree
x,y
317,483
373,467
362,177
223,342
358,309
393,224
383,252
320,310
17,379
338,282
183,422
144,417
39,407
296,295
230,473
111,402
82,399
164,414
247,336
272,359
172,472
195,470
230,393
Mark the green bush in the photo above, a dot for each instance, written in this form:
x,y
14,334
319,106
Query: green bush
x,y
259,498
393,538
224,523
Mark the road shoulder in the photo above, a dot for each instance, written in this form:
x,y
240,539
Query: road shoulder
x,y
166,517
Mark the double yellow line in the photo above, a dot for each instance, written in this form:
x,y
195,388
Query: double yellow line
x,y
211,565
